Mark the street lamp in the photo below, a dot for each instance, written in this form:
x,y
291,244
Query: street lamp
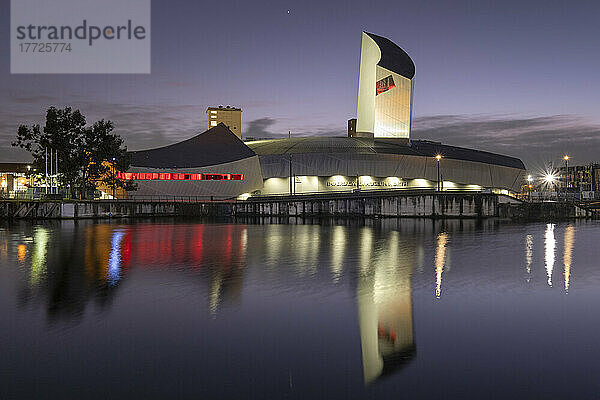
x,y
566,158
549,178
113,175
438,157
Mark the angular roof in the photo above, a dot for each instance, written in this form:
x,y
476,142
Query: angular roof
x,y
14,167
217,145
431,149
347,145
393,57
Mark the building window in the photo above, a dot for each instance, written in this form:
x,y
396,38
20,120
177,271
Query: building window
x,y
213,123
213,111
180,177
213,116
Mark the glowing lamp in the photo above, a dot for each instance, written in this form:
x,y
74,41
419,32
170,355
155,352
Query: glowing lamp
x,y
549,178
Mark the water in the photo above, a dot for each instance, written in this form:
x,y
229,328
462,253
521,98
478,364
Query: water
x,y
342,310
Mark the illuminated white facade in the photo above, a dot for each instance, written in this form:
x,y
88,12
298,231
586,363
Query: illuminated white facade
x,y
384,89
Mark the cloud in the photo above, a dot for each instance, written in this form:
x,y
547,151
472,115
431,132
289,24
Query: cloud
x,y
150,126
279,127
142,127
259,128
536,140
33,99
329,131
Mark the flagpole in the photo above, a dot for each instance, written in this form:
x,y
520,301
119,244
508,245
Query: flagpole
x,y
56,169
46,160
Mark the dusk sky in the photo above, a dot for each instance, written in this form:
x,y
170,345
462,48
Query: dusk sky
x,y
513,77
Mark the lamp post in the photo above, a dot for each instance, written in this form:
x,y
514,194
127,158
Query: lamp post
x,y
114,177
529,185
566,158
438,157
291,175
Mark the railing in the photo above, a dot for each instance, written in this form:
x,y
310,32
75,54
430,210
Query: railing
x,y
132,198
584,196
20,196
166,198
382,192
342,194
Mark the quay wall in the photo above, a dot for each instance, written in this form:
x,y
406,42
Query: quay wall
x,y
108,209
423,205
447,205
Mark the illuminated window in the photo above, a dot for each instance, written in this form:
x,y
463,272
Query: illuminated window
x,y
213,111
213,116
213,123
176,176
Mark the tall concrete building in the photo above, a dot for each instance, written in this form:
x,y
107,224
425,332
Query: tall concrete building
x,y
384,89
229,116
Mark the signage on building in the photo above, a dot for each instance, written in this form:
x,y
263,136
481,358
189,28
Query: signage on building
x,y
371,183
385,84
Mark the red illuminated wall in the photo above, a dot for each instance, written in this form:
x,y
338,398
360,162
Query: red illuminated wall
x,y
179,176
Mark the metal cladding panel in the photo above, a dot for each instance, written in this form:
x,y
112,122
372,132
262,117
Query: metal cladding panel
x,y
392,105
216,145
396,146
370,55
428,148
250,167
393,57
384,165
311,144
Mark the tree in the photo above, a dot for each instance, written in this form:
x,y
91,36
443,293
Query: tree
x,y
87,155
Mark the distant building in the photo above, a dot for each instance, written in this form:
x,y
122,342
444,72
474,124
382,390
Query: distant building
x,y
14,177
231,117
352,127
580,178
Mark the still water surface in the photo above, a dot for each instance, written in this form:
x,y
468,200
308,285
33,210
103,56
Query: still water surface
x,y
327,310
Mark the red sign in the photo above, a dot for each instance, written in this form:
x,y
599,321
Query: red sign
x,y
384,85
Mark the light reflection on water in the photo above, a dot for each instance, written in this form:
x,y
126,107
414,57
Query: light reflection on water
x,y
550,245
38,259
440,262
528,255
568,253
373,278
114,261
